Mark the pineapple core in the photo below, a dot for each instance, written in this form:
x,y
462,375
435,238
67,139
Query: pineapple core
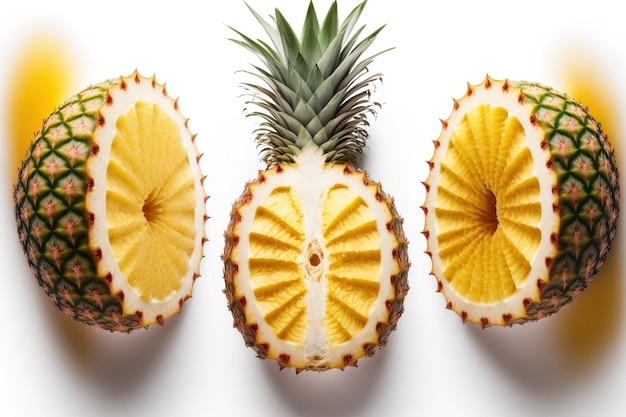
x,y
488,206
150,202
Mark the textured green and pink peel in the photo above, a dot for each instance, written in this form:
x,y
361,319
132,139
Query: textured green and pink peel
x,y
53,220
589,194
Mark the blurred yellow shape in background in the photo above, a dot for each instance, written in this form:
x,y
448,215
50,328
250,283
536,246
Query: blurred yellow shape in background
x,y
592,327
42,75
586,80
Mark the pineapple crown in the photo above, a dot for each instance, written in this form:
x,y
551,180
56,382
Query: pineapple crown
x,y
316,89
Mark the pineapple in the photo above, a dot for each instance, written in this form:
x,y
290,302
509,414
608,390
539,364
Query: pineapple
x,y
522,202
110,205
315,258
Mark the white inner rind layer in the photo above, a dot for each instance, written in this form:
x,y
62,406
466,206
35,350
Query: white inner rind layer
x,y
312,179
123,100
550,220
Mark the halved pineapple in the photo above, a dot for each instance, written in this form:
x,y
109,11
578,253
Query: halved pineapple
x,y
522,202
110,205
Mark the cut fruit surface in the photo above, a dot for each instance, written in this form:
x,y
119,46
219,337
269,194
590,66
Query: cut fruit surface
x,y
482,222
522,202
110,205
150,201
315,267
282,267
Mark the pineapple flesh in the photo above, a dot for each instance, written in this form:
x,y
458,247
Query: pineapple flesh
x,y
110,205
315,258
522,202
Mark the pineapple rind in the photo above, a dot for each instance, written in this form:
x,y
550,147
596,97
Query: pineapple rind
x,y
589,193
50,215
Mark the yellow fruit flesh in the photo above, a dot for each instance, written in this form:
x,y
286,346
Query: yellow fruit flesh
x,y
352,240
150,202
488,206
275,272
284,265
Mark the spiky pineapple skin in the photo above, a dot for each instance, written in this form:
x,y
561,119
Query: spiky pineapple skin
x,y
589,194
53,220
237,306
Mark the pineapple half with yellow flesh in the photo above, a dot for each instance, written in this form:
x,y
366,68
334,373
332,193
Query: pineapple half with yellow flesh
x,y
110,205
315,256
522,202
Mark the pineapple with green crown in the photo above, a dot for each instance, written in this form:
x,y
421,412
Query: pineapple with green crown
x,y
315,258
522,202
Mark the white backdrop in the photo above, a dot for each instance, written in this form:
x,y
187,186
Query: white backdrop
x,y
572,364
